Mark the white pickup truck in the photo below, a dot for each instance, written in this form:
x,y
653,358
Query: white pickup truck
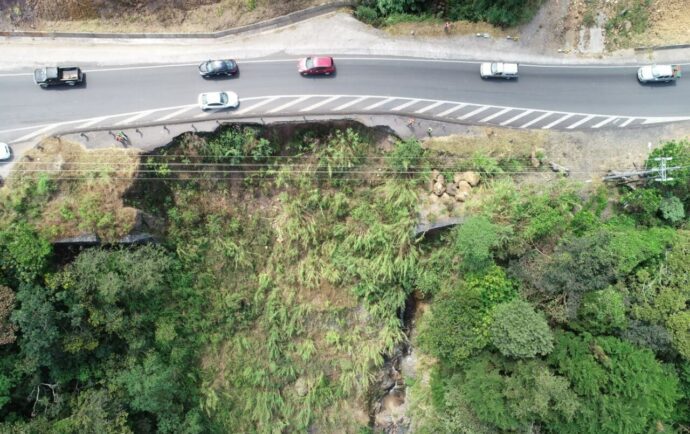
x,y
657,73
498,70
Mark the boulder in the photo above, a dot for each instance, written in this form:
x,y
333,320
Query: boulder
x,y
451,189
439,188
440,178
472,177
462,196
464,187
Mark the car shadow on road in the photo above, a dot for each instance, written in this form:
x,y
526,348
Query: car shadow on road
x,y
321,76
658,84
221,77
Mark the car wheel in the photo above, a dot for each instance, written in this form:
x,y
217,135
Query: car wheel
x,y
328,73
43,86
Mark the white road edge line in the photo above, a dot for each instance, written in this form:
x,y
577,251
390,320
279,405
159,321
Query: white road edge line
x,y
451,110
495,115
604,122
429,107
581,121
288,104
474,112
557,121
319,104
534,121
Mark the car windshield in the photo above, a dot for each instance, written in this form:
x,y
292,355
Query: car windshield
x,y
494,68
309,63
223,98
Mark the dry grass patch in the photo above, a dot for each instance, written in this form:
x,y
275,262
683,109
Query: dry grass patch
x,y
84,188
435,28
496,143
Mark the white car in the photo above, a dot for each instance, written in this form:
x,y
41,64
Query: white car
x,y
5,152
498,70
218,100
656,73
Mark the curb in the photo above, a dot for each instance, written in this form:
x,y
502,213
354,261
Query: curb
x,y
662,47
284,20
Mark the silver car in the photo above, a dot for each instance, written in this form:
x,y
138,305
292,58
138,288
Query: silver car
x,y
5,152
657,73
218,100
498,70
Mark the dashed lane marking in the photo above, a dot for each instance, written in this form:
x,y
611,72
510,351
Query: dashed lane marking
x,y
289,104
351,103
519,116
538,119
581,121
474,112
379,104
558,121
604,122
495,115
319,104
451,110
405,105
430,107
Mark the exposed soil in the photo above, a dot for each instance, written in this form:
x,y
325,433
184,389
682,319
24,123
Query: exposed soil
x,y
141,15
669,23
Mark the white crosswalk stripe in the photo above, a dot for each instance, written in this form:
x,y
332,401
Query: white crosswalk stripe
x,y
519,116
176,113
131,119
36,133
257,105
289,104
580,122
451,110
351,103
626,123
604,122
405,105
379,104
495,115
430,107
558,121
319,104
474,112
534,121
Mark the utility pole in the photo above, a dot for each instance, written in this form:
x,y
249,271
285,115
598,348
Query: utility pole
x,y
663,170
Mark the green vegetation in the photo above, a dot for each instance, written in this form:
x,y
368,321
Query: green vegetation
x,y
282,275
502,13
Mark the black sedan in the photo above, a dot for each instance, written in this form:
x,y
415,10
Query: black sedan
x,y
215,68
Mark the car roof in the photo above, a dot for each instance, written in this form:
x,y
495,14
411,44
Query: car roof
x,y
662,69
213,98
322,61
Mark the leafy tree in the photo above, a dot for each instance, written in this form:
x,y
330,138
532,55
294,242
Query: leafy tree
x,y
643,204
37,321
602,312
518,331
7,329
474,241
623,389
95,411
27,253
672,209
460,320
679,151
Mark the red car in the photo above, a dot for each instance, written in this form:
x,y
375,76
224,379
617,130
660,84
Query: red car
x,y
316,66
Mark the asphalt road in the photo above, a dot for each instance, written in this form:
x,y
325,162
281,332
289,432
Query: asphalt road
x,y
604,90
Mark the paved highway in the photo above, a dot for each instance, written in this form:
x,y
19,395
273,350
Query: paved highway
x,y
543,97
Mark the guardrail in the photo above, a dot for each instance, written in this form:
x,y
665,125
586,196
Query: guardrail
x,y
291,18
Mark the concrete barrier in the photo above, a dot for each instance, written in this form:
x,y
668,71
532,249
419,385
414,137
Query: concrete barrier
x,y
662,47
281,21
